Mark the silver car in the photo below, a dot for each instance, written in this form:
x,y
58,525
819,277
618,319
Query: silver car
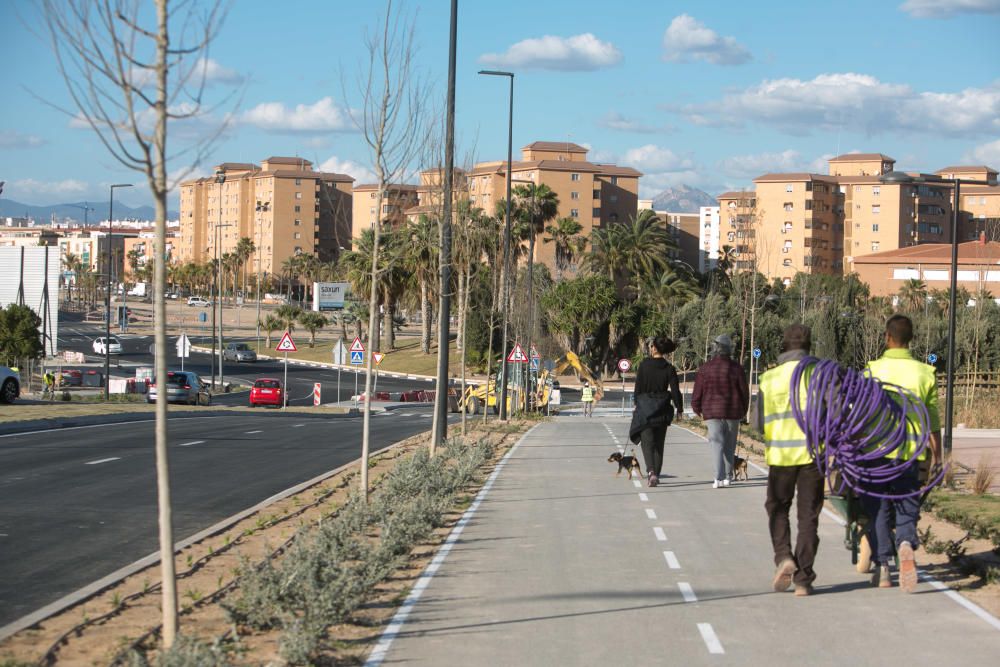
x,y
10,385
182,387
238,352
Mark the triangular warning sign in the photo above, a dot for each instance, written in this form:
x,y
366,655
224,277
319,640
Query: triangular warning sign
x,y
377,357
356,346
286,344
517,355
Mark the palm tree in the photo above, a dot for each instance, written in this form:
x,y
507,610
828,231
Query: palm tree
x,y
269,324
287,316
647,246
608,251
421,258
565,234
913,294
312,322
244,249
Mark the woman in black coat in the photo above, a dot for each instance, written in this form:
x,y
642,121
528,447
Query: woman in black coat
x,y
657,399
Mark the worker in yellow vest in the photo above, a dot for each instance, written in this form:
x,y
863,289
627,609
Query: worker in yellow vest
x,y
792,472
898,367
588,399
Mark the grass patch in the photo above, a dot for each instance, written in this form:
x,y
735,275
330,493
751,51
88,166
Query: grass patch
x,y
406,358
980,515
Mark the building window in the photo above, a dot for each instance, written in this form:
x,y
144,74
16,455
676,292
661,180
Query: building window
x,y
875,190
298,195
788,188
298,250
614,180
788,206
298,223
597,194
786,262
297,235
371,196
597,213
874,246
574,177
614,198
574,195
875,227
298,209
574,213
298,181
876,209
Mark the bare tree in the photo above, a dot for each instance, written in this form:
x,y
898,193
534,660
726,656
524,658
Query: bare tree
x,y
392,99
128,76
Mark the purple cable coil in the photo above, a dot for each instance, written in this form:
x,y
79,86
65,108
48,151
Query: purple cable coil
x,y
852,423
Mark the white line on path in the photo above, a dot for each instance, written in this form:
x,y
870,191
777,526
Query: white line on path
x,y
94,463
252,432
650,513
687,591
672,561
297,425
711,641
637,483
643,497
193,442
660,535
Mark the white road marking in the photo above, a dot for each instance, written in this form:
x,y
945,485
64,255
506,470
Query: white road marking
x,y
650,513
637,483
708,636
643,497
94,463
252,432
687,591
660,535
297,425
672,561
193,442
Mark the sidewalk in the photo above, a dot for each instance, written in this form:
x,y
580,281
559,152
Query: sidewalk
x,y
564,564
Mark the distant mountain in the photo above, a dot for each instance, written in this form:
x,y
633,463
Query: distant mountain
x,y
682,199
74,211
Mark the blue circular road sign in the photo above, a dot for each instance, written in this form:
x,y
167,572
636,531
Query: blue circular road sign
x,y
756,353
932,358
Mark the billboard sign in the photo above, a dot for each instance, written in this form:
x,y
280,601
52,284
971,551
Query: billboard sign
x,y
329,296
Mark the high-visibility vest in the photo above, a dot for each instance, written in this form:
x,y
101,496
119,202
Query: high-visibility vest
x,y
897,366
784,442
588,395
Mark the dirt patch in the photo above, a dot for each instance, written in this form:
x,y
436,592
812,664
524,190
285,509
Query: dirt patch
x,y
95,631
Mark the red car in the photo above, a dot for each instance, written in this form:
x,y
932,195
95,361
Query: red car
x,y
267,391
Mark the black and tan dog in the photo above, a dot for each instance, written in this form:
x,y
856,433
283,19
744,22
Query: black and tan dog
x,y
740,469
628,463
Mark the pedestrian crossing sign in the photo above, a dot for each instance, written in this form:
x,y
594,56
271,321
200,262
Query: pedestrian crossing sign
x,y
357,358
357,346
534,363
517,355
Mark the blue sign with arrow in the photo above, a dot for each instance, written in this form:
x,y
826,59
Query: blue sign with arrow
x,y
756,353
932,358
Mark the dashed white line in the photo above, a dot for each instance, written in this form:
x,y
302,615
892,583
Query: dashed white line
x,y
672,561
193,442
650,513
660,535
710,639
252,432
687,591
94,463
643,497
297,425
637,483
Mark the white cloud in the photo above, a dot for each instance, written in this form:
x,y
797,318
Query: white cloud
x,y
580,53
928,9
323,116
12,140
853,101
687,39
616,121
751,166
216,73
988,154
652,158
27,188
361,173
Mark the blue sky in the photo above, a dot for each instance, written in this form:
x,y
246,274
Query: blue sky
x,y
706,94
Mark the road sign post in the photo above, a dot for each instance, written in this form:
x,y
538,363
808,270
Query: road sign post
x,y
286,345
623,367
377,358
339,358
357,351
183,348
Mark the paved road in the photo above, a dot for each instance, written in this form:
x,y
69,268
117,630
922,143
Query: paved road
x,y
77,504
563,564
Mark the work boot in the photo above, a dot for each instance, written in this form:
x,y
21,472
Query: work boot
x,y
783,575
907,568
881,578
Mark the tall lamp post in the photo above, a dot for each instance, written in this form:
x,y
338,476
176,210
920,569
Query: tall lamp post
x,y
531,292
506,240
902,178
107,321
262,207
220,178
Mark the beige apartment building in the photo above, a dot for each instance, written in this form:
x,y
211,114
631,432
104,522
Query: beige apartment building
x,y
284,206
397,200
591,193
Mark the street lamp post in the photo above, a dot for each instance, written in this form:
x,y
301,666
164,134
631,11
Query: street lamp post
x,y
902,178
107,321
220,178
262,207
506,241
531,292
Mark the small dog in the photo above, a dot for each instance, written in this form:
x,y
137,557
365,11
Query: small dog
x,y
627,463
740,469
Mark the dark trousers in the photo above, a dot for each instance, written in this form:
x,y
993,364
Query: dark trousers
x,y
652,439
783,484
880,515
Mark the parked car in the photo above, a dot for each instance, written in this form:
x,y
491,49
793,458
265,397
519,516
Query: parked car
x,y
267,391
71,377
238,352
114,346
199,301
10,385
182,387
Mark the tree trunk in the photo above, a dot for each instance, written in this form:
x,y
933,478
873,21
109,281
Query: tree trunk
x,y
425,319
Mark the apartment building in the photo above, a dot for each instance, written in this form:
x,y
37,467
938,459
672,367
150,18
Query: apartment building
x,y
396,201
738,222
594,194
709,238
284,206
142,248
886,272
979,215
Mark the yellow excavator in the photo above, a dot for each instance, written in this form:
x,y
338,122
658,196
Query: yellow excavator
x,y
482,397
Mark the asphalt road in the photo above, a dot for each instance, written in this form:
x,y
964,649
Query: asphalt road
x,y
77,504
565,564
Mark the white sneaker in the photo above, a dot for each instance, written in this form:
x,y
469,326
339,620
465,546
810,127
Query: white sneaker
x,y
725,482
715,483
